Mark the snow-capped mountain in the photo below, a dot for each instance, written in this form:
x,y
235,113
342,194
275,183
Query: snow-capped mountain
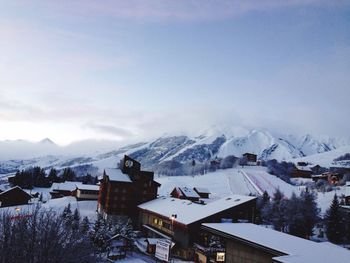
x,y
171,150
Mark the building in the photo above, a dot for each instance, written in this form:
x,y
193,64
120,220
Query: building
x,y
14,196
331,177
121,190
244,242
87,192
180,220
251,158
59,190
301,171
202,192
185,193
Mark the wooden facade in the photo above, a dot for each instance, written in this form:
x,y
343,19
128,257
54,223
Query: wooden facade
x,y
251,158
186,235
121,192
14,196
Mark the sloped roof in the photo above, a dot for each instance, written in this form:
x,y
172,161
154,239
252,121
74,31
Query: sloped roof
x,y
202,190
88,187
116,175
14,189
188,192
66,186
189,212
298,250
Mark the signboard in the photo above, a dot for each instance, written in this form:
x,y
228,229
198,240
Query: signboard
x,y
163,250
220,257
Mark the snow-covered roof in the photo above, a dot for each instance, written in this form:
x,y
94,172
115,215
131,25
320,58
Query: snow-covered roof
x,y
298,250
116,175
66,186
189,212
188,192
13,188
303,168
88,187
202,190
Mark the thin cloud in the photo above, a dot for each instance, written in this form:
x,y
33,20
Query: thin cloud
x,y
110,130
179,10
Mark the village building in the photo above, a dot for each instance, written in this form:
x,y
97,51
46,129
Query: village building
x,y
332,178
14,196
180,220
67,188
185,193
301,171
202,192
251,158
245,242
121,190
87,192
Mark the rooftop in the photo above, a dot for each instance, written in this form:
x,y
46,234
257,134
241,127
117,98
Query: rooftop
x,y
189,212
116,175
88,187
66,186
298,250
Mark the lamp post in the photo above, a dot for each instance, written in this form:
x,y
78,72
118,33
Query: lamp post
x,y
172,218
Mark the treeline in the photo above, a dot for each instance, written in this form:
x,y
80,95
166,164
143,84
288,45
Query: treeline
x,y
37,177
41,235
297,215
193,167
44,236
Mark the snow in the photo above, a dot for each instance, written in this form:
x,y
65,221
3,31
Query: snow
x,y
188,192
299,250
88,187
188,212
116,174
324,159
66,186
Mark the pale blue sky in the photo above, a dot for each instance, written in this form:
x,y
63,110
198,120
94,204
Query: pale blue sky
x,y
72,70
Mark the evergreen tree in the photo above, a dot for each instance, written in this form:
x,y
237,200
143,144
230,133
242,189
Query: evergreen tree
x,y
277,211
295,217
85,225
310,212
334,222
76,219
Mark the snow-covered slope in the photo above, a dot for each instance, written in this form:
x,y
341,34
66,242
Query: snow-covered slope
x,y
168,151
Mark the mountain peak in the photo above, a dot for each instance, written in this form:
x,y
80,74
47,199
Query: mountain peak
x,y
47,141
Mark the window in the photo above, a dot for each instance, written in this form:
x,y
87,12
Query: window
x,y
155,221
160,222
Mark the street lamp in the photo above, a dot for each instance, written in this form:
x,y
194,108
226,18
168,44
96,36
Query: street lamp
x,y
172,218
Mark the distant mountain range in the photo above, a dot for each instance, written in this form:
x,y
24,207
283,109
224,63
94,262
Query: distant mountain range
x,y
94,156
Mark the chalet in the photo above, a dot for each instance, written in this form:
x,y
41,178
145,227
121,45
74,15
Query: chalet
x,y
251,158
185,193
14,196
245,242
301,172
87,192
202,192
59,190
180,220
121,190
331,177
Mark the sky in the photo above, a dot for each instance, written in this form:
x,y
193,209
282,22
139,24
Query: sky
x,y
132,70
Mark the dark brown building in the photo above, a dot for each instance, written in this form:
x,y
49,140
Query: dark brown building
x,y
180,220
251,158
14,196
121,190
202,192
301,172
185,193
251,243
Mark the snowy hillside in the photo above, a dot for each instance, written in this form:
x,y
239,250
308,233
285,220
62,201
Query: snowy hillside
x,y
168,151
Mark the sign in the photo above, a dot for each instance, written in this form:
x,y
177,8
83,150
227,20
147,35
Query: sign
x,y
163,250
220,257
